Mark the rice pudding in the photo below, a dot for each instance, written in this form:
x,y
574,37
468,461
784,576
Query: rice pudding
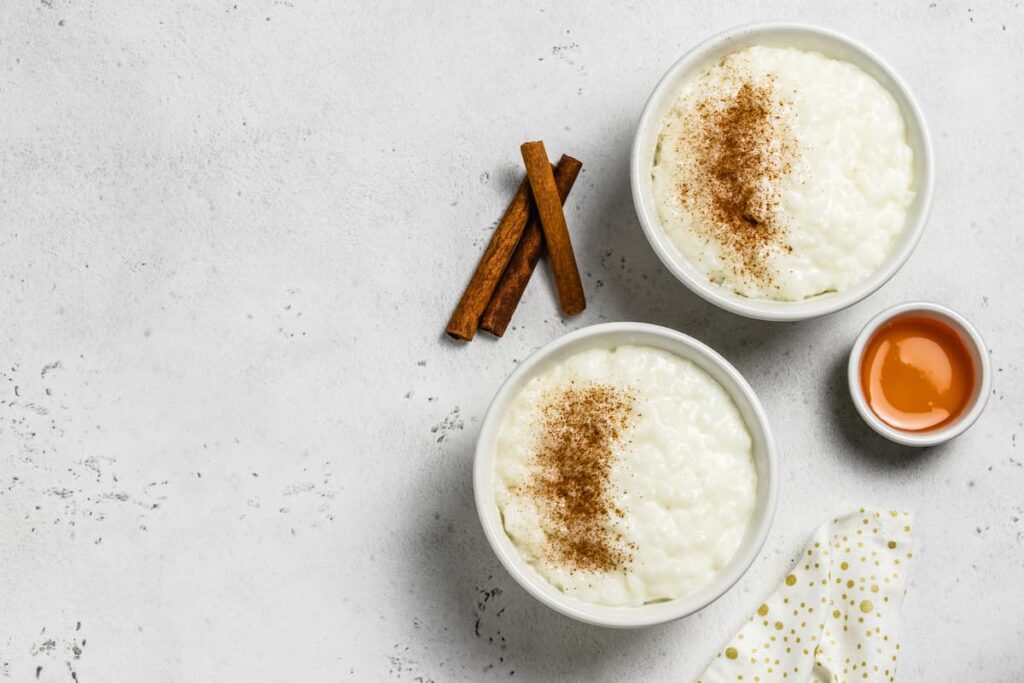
x,y
783,174
625,476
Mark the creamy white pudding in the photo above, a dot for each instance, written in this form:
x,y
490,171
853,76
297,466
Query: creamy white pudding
x,y
783,174
625,476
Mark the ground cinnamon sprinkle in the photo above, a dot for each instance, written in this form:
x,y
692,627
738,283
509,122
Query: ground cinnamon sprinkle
x,y
742,148
579,425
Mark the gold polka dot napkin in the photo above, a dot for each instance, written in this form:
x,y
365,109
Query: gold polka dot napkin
x,y
835,617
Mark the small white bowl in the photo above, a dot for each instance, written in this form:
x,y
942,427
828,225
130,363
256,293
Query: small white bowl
x,y
972,342
804,37
611,335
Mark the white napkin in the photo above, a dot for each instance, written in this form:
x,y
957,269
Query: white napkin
x,y
835,617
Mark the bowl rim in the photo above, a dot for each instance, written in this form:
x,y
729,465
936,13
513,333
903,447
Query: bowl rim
x,y
983,385
741,393
778,311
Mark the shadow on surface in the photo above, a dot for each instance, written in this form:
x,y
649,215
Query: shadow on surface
x,y
469,596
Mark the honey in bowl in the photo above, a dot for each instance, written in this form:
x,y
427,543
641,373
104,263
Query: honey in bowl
x,y
916,373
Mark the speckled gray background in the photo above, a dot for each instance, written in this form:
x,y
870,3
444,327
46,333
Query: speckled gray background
x,y
233,442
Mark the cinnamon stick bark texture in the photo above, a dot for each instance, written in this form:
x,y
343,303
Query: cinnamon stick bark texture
x,y
556,232
466,316
513,283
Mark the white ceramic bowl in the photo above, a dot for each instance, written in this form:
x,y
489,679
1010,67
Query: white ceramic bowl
x,y
801,36
972,342
611,335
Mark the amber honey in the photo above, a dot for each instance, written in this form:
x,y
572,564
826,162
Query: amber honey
x,y
916,373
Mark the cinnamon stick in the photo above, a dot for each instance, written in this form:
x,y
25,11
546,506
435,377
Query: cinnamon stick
x,y
513,283
556,232
466,316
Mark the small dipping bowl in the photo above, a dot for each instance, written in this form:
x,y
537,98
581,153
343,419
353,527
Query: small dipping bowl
x,y
972,344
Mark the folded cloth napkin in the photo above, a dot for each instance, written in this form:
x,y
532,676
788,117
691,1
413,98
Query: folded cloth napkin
x,y
835,617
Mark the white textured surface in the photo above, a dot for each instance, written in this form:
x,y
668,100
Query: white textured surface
x,y
233,442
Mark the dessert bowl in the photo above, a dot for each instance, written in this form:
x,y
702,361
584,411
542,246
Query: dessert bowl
x,y
980,362
607,336
804,37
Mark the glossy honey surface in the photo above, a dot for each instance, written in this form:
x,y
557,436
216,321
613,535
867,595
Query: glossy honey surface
x,y
916,373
